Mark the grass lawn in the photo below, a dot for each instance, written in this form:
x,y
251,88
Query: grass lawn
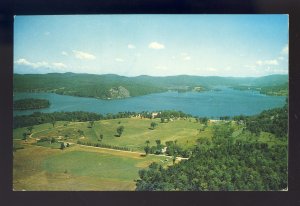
x,y
78,168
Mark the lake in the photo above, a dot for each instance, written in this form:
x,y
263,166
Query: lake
x,y
213,104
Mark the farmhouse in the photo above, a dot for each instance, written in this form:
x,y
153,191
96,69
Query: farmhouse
x,y
154,114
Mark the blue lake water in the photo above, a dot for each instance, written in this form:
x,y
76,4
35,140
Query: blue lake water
x,y
227,102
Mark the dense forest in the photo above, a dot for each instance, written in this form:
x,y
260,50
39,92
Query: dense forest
x,y
278,90
238,166
225,163
111,86
83,85
274,90
24,104
273,121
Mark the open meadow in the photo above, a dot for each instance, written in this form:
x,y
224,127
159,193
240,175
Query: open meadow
x,y
136,132
43,165
78,168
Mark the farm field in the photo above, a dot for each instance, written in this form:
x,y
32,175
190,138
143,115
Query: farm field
x,y
44,166
136,132
81,168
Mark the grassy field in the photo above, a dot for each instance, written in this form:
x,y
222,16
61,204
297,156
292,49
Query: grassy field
x,y
43,166
136,132
78,168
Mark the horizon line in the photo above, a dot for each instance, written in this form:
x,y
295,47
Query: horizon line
x,y
152,75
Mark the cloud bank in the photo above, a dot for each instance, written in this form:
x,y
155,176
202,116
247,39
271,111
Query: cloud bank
x,y
156,45
42,64
83,55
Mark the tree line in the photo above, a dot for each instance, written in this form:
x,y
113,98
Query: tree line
x,y
31,103
104,145
41,118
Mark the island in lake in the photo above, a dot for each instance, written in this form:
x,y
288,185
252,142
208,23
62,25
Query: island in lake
x,y
27,104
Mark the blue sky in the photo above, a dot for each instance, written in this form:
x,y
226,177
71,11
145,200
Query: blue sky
x,y
157,45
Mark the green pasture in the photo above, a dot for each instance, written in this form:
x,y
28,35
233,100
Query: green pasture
x,y
98,165
81,167
78,168
136,132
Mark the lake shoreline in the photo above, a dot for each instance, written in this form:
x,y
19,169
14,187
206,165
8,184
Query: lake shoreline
x,y
212,104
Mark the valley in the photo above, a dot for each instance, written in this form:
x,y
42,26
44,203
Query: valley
x,y
122,140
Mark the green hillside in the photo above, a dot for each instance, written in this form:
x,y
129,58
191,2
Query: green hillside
x,y
111,86
246,153
230,160
273,90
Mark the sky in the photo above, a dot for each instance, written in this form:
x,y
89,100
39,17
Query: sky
x,y
156,45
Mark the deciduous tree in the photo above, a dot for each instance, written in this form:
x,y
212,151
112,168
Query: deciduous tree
x,y
120,130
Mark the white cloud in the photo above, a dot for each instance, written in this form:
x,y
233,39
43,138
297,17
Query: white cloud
x,y
59,65
83,55
131,46
119,60
42,64
267,62
156,45
285,50
22,62
64,53
31,64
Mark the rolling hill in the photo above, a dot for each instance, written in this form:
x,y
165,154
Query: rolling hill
x,y
111,86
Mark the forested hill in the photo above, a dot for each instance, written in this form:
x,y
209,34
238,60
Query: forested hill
x,y
227,161
111,86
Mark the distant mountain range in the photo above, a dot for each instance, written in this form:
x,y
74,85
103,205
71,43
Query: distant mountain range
x,y
111,86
